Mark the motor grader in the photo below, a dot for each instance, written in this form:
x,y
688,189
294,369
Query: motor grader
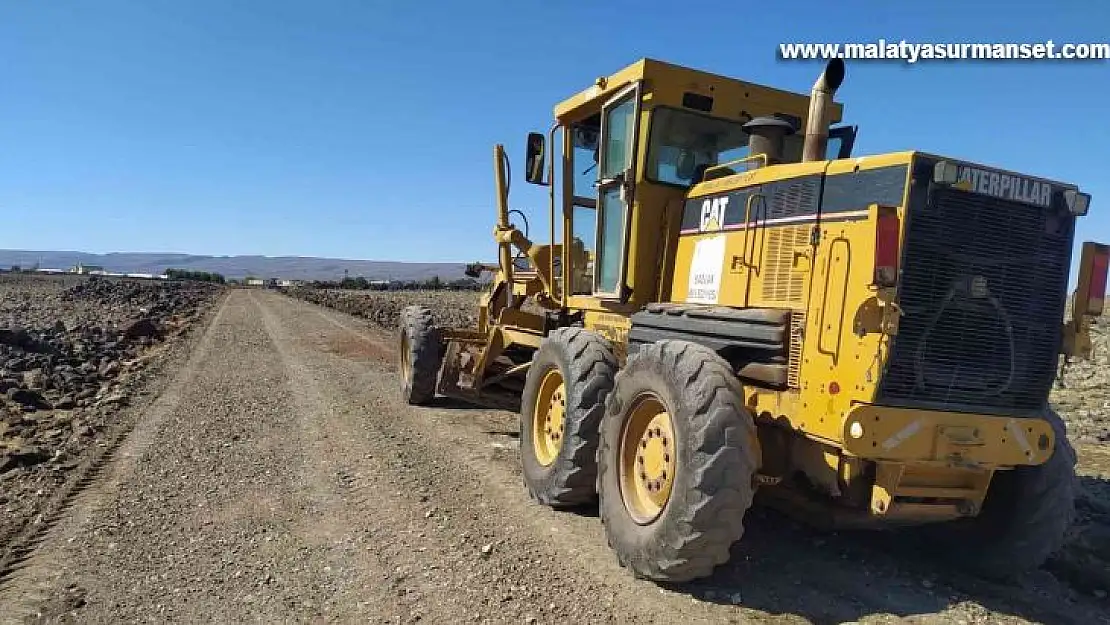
x,y
732,301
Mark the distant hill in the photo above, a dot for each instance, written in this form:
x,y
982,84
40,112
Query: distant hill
x,y
290,267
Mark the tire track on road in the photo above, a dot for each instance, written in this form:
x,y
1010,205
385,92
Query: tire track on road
x,y
558,561
403,564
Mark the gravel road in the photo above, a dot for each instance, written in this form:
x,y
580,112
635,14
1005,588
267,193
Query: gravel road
x,y
277,477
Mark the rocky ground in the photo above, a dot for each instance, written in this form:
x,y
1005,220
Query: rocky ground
x,y
72,352
273,475
1083,393
450,308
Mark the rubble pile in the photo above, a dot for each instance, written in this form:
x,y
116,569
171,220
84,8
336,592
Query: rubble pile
x,y
1082,393
449,308
71,354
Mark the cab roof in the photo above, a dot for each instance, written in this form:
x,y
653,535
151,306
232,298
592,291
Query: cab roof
x,y
676,78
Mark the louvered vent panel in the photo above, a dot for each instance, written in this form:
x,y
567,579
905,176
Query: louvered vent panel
x,y
782,285
791,199
797,339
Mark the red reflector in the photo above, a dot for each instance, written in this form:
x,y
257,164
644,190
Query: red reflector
x,y
1099,264
887,230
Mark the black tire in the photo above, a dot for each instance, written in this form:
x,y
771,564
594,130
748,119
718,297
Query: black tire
x,y
1024,518
424,351
717,455
587,365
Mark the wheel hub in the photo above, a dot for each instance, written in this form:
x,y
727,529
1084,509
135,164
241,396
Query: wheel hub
x,y
549,418
647,460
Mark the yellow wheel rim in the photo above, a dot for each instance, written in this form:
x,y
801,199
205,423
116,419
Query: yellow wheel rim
x,y
405,365
548,418
647,457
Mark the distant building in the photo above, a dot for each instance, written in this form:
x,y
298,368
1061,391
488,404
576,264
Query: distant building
x,y
254,282
82,269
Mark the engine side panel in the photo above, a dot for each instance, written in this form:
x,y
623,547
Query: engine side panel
x,y
803,246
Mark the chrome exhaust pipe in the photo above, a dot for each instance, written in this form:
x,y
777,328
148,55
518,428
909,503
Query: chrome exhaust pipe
x,y
820,99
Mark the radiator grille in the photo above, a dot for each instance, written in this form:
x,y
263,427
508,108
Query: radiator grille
x,y
982,290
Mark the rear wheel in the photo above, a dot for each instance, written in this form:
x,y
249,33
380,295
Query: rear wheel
x,y
419,354
1024,518
561,409
676,463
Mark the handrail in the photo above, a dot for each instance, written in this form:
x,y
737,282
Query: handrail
x,y
747,225
551,194
760,156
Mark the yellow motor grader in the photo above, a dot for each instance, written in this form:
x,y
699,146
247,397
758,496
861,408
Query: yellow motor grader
x,y
733,300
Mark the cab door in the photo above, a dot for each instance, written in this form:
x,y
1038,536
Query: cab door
x,y
620,121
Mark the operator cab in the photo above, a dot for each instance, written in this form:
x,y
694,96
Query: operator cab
x,y
632,145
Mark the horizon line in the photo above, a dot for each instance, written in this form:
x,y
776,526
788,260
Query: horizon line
x,y
230,256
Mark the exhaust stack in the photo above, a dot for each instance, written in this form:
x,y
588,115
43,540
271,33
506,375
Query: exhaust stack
x,y
817,122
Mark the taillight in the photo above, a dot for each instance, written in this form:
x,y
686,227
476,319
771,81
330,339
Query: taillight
x,y
887,231
1093,261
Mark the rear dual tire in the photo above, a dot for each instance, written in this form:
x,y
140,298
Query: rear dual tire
x,y
1024,518
677,461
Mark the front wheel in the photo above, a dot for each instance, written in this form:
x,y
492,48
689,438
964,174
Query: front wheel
x,y
419,354
561,410
676,462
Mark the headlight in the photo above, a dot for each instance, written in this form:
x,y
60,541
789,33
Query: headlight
x,y
1077,202
946,173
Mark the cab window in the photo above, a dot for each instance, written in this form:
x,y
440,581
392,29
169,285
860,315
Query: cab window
x,y
683,144
583,229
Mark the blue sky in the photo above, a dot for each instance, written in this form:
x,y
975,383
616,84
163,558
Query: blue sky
x,y
361,129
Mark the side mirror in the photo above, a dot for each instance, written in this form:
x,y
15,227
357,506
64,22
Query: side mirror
x,y
533,171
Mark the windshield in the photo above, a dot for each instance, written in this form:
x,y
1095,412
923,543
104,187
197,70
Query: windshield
x,y
683,144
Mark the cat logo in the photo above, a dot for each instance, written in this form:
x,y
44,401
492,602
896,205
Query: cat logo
x,y
713,214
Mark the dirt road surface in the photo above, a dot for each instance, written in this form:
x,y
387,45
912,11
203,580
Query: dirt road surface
x,y
277,477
